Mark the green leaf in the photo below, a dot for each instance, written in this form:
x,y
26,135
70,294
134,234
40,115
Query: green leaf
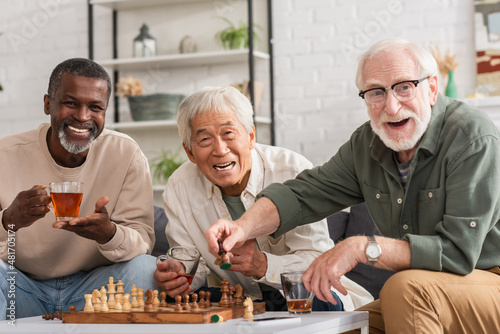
x,y
165,164
235,37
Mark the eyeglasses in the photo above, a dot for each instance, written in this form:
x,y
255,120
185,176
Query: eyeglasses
x,y
404,91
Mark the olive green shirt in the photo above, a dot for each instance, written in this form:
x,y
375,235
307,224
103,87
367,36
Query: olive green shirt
x,y
450,208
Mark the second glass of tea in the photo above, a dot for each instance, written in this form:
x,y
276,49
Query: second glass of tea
x,y
185,259
298,299
66,198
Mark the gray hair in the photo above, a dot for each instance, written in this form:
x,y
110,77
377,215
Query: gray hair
x,y
213,99
80,67
427,65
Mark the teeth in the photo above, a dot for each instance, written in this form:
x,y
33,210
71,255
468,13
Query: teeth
x,y
78,130
227,166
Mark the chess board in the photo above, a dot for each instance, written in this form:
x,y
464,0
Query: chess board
x,y
163,315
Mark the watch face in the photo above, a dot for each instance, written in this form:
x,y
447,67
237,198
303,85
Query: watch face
x,y
373,251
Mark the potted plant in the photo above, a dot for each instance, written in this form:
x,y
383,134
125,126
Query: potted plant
x,y
234,36
165,164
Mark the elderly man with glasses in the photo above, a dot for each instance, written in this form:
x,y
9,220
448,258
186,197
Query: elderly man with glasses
x,y
428,168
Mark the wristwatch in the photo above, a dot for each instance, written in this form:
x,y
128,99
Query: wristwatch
x,y
373,250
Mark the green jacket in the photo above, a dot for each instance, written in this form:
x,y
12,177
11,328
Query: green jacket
x,y
451,206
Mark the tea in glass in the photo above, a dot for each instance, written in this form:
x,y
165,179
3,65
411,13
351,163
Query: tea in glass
x,y
66,199
298,299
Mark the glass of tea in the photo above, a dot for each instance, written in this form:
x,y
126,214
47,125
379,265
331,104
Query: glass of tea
x,y
185,261
66,199
298,299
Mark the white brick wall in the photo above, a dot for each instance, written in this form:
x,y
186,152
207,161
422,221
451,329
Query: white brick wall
x,y
317,106
316,45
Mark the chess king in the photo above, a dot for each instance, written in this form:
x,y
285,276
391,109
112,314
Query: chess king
x,y
227,169
46,265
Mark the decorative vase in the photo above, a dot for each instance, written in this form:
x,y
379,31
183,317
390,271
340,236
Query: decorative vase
x,y
451,88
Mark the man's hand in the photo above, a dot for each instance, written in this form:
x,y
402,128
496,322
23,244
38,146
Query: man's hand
x,y
229,231
166,277
326,269
261,218
248,260
96,226
28,206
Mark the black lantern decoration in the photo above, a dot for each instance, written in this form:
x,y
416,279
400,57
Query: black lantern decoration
x,y
144,44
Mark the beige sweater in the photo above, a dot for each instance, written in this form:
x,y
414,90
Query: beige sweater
x,y
115,167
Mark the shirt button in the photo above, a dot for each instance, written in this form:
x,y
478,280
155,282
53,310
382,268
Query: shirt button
x,y
377,196
473,224
225,215
400,201
273,277
430,194
405,227
216,191
253,284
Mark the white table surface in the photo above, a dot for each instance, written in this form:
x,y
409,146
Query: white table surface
x,y
316,322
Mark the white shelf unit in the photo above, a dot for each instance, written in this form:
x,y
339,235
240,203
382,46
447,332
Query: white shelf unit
x,y
153,136
133,4
184,60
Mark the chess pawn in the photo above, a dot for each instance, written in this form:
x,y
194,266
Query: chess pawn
x,y
156,301
163,297
208,303
118,303
88,303
194,298
178,306
126,302
186,305
202,299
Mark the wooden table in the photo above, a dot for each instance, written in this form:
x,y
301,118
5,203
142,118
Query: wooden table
x,y
316,322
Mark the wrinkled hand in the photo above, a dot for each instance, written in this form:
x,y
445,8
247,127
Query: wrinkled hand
x,y
229,231
166,277
326,269
248,260
28,206
96,226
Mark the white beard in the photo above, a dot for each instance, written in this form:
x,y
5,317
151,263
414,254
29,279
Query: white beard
x,y
401,143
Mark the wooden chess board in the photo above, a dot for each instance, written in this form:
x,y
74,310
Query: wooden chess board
x,y
163,315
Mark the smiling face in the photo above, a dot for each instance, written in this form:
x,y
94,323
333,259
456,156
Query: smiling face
x,y
400,125
77,113
221,148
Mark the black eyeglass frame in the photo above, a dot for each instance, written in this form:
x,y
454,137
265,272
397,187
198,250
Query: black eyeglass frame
x,y
415,82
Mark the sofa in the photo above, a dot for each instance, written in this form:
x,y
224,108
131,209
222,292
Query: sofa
x,y
341,225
